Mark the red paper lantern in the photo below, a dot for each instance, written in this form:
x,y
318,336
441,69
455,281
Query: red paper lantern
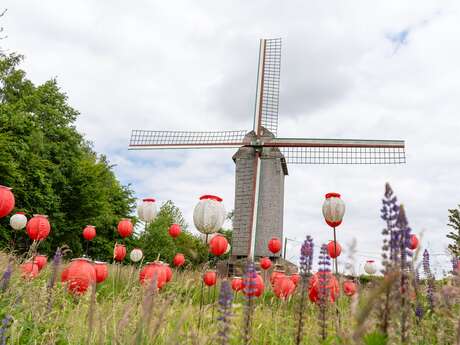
x,y
333,209
265,263
40,260
210,278
218,245
153,270
81,274
29,270
102,271
38,227
65,275
6,201
284,287
331,249
119,252
169,272
349,287
89,232
179,260
331,286
174,230
274,245
295,278
253,287
276,274
413,242
125,228
237,284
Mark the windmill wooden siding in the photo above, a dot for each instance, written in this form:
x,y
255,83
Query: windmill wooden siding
x,y
271,202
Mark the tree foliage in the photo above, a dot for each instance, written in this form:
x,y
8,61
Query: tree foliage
x,y
52,169
454,223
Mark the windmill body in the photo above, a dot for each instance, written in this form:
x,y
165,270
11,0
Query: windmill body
x,y
262,158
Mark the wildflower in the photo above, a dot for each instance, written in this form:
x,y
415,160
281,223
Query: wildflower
x,y
324,272
6,323
430,279
4,281
249,290
225,306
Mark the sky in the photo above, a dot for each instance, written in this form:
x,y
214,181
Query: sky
x,y
350,69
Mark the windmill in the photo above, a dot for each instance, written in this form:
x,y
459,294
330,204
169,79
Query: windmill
x,y
262,158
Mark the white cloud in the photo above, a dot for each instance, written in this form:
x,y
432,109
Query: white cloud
x,y
185,66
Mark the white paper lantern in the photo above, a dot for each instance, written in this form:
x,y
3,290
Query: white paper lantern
x,y
209,214
136,255
333,209
147,210
18,221
370,267
228,249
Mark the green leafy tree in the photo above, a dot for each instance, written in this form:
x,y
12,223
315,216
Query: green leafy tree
x,y
52,169
156,242
454,223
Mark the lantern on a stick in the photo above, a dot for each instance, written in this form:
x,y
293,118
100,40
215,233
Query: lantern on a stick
x,y
168,271
334,249
253,286
125,228
209,214
413,242
323,283
101,270
274,245
18,221
295,277
136,255
38,227
119,252
80,275
237,284
40,261
29,270
218,245
276,274
370,267
174,230
153,271
284,287
6,201
349,288
333,211
265,263
210,278
179,259
89,232
147,210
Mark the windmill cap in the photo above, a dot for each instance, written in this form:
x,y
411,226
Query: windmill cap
x,y
332,195
211,197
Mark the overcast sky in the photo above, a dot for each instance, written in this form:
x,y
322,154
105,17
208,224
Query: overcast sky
x,y
350,69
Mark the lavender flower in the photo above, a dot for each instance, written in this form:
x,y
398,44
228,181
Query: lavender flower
x,y
225,311
324,271
4,281
6,323
430,279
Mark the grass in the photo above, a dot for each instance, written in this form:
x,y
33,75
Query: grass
x,y
120,311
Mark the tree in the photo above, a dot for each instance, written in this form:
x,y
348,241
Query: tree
x,y
454,223
52,169
155,240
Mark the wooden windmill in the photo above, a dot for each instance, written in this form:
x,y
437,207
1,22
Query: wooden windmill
x,y
262,158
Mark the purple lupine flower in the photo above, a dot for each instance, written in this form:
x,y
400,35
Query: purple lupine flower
x,y
324,270
306,256
249,289
419,312
6,323
225,311
430,279
55,268
455,262
389,213
5,280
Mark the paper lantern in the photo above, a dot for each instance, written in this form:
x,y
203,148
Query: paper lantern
x,y
253,287
333,209
179,260
40,261
330,289
119,252
169,272
218,245
29,270
370,267
229,247
174,230
65,275
265,263
209,214
274,245
38,227
237,284
18,221
89,232
136,255
147,210
210,278
349,288
81,274
284,287
125,228
102,271
153,271
6,201
331,249
276,274
295,277
413,242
